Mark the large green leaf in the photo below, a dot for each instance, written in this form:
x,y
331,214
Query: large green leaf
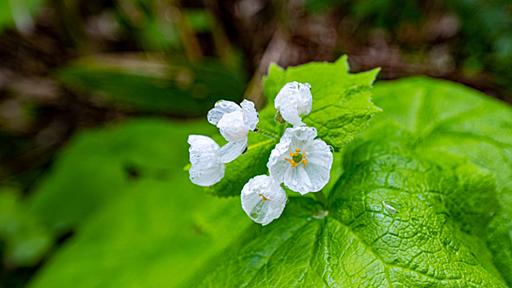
x,y
342,105
155,85
342,108
138,219
442,117
423,202
25,239
392,220
99,165
154,236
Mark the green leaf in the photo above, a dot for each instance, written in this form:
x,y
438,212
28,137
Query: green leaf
x,y
26,240
389,224
140,219
442,117
423,201
154,85
155,235
342,105
98,165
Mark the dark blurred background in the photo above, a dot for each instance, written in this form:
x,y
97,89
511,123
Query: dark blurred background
x,y
66,65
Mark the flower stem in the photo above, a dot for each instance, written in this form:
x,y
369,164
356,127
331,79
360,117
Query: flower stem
x,y
320,197
266,134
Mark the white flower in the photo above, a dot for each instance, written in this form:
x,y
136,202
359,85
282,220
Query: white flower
x,y
300,161
207,167
294,100
263,199
234,122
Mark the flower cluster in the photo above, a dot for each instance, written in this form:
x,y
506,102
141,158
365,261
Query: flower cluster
x,y
300,160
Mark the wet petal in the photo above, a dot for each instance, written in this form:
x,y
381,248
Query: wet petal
x,y
232,126
251,116
206,166
300,161
221,107
319,164
294,100
297,134
276,166
298,180
291,115
263,199
232,150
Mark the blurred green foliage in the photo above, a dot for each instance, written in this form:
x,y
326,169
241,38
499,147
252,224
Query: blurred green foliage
x,y
184,89
156,235
118,197
18,12
100,165
484,41
26,239
139,220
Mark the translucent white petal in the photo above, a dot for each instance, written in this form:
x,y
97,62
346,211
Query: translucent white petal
x,y
294,100
319,164
300,134
263,199
291,115
232,126
320,153
206,165
232,150
251,116
221,107
311,172
276,166
298,180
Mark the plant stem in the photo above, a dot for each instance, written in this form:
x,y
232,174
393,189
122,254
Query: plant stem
x,y
320,197
267,134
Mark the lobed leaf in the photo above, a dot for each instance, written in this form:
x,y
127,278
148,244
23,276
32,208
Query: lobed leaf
x,y
342,105
342,108
423,201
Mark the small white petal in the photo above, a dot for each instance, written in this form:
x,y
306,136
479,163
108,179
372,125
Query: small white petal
x,y
232,126
301,134
291,115
232,150
234,122
221,107
205,159
298,180
263,199
277,168
251,116
319,164
294,100
300,161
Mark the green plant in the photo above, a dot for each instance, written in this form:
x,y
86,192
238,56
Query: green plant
x,y
419,197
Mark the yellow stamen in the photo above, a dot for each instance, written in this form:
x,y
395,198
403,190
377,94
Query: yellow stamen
x,y
263,197
296,158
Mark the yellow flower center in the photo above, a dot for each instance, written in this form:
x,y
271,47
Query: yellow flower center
x,y
296,158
